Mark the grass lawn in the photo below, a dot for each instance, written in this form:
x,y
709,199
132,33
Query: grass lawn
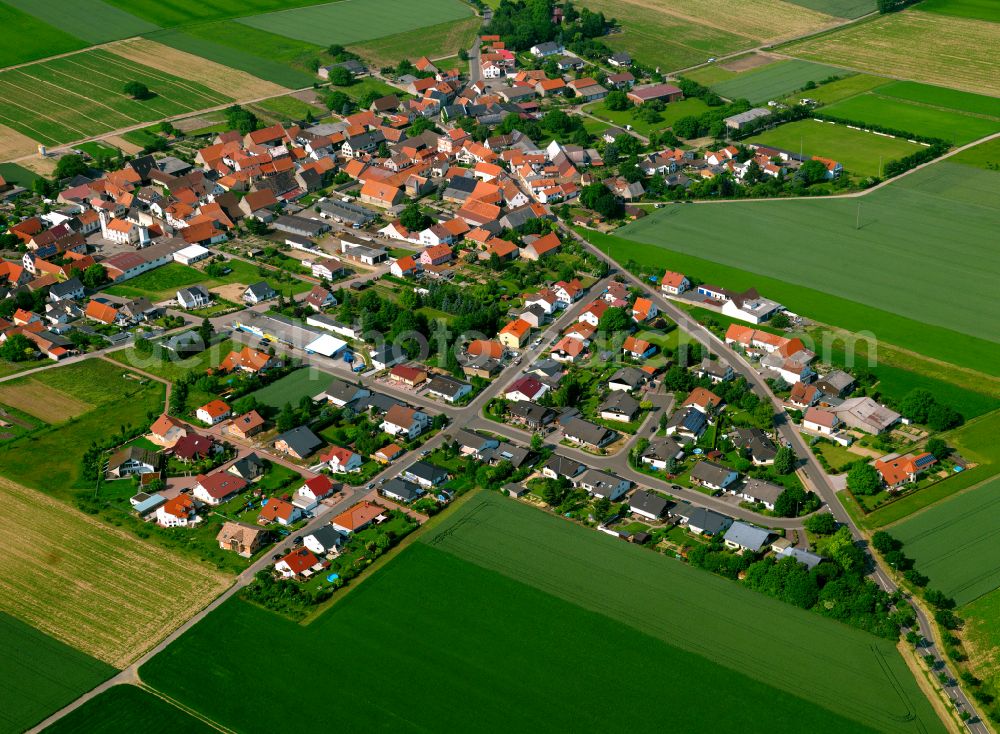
x,y
41,674
921,46
945,202
507,596
985,156
981,635
159,284
843,88
289,108
27,38
860,152
81,96
291,388
170,367
673,112
349,22
939,122
952,99
774,81
128,708
837,456
954,542
369,84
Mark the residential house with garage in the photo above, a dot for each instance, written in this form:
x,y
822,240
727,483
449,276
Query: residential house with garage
x,y
559,466
759,491
133,460
214,489
603,485
312,492
688,423
713,476
648,505
240,538
299,442
279,511
402,420
213,412
660,452
585,433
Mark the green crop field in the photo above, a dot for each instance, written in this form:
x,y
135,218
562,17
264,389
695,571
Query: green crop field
x,y
985,155
81,95
291,388
858,151
951,99
954,542
839,8
190,12
774,81
288,108
432,41
26,38
19,175
981,635
40,674
508,598
843,88
92,20
895,382
159,284
351,21
944,203
936,122
976,9
127,708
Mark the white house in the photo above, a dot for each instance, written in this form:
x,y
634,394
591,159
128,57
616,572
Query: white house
x,y
314,491
820,421
401,420
341,460
197,296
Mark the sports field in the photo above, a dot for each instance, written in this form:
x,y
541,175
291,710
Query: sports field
x,y
40,675
127,708
873,108
858,151
96,588
509,599
291,388
26,38
351,21
92,20
955,542
81,95
927,47
944,214
774,81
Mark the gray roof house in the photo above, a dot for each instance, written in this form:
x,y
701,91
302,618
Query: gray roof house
x,y
687,422
811,560
448,388
627,379
589,434
660,451
258,292
300,442
340,393
66,290
197,296
648,505
836,384
712,475
401,490
515,455
425,474
619,406
760,490
702,520
746,537
562,466
324,540
249,468
601,484
757,442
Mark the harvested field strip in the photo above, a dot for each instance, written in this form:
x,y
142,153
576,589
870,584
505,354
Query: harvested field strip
x,y
96,588
222,79
46,403
925,47
957,542
14,144
40,674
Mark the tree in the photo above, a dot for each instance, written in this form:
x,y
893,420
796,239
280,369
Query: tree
x,y
17,348
601,508
615,320
686,127
413,218
938,448
69,166
536,442
205,331
602,200
94,276
337,102
617,101
241,119
942,417
811,172
341,77
780,321
863,479
136,90
784,460
916,404
287,419
824,524
884,543
790,502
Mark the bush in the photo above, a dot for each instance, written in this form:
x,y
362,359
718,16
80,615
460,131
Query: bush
x,y
137,90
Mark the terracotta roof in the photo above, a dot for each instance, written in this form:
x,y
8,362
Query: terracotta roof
x,y
358,516
101,312
300,560
215,408
517,327
485,347
221,484
705,398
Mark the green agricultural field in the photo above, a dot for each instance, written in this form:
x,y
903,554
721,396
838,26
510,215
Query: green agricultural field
x,y
289,108
985,155
291,388
26,38
839,8
774,81
433,41
954,542
951,99
944,203
850,86
874,109
40,674
19,175
81,95
671,114
981,635
192,12
92,20
265,55
687,634
128,708
976,9
352,21
895,382
860,152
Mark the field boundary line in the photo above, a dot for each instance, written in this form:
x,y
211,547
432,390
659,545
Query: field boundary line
x,y
53,120
178,705
67,107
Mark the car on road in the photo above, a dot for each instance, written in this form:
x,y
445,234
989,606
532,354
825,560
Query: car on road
x,y
371,485
297,540
425,452
652,428
276,557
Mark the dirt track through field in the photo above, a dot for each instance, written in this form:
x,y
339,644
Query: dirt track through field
x,y
90,585
231,82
